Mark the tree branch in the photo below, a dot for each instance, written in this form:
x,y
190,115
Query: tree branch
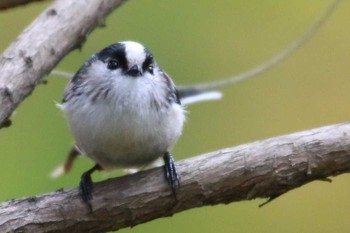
x,y
263,169
61,28
6,4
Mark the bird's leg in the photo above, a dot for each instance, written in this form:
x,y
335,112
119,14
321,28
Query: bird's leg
x,y
171,174
86,184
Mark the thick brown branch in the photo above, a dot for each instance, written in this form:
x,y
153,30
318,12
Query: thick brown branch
x,y
5,4
58,30
263,169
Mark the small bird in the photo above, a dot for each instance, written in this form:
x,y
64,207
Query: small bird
x,y
124,112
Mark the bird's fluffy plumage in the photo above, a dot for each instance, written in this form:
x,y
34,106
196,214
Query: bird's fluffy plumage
x,y
120,120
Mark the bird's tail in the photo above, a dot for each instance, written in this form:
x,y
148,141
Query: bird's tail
x,y
191,95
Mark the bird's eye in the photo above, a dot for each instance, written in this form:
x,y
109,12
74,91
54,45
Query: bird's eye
x,y
150,68
112,64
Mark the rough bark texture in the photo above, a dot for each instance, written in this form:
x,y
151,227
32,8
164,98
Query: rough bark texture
x,y
58,30
263,169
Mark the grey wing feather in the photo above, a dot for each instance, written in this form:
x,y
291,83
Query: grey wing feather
x,y
74,86
173,95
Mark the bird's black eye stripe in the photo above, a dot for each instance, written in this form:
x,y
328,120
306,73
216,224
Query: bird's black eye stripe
x,y
113,64
114,56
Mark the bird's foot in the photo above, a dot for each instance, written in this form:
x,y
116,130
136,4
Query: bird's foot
x,y
171,174
86,185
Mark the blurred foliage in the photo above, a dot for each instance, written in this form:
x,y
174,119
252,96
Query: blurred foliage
x,y
197,41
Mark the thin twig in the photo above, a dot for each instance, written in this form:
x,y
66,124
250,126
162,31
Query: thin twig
x,y
61,73
281,56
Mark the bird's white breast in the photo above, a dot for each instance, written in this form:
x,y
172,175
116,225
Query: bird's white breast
x,y
127,129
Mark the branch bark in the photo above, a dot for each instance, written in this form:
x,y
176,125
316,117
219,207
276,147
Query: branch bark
x,y
263,169
61,28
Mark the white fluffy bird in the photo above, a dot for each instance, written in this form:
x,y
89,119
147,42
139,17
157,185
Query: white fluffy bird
x,y
125,112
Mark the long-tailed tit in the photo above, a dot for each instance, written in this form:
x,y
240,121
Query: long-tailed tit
x,y
124,112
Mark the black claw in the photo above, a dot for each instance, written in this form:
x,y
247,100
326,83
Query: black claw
x,y
86,185
171,174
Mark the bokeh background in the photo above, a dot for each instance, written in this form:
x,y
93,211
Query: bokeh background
x,y
199,41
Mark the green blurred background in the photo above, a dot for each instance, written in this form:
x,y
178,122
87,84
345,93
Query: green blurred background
x,y
198,41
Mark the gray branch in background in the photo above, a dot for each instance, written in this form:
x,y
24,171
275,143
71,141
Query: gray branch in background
x,y
263,169
62,27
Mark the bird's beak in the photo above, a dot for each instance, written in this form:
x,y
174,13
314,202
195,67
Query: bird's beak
x,y
134,71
